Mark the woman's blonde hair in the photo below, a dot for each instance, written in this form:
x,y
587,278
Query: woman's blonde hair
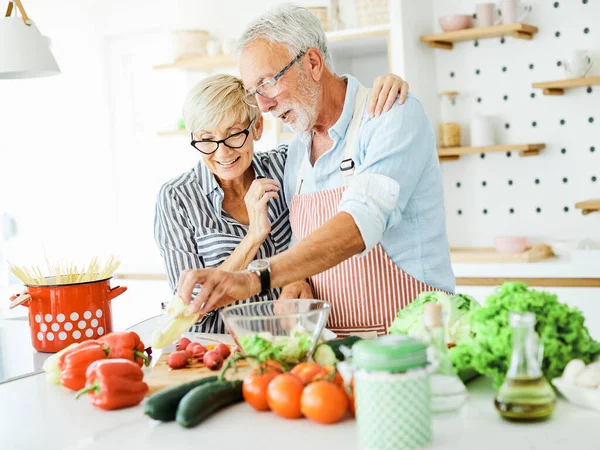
x,y
213,99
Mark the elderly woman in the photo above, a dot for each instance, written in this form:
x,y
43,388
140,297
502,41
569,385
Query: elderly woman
x,y
230,209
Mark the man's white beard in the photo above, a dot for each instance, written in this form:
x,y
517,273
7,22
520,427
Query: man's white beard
x,y
302,121
305,113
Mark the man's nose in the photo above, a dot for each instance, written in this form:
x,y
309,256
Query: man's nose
x,y
265,104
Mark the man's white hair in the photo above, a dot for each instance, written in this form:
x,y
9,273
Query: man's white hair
x,y
292,25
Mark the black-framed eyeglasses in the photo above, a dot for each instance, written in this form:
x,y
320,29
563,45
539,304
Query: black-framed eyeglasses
x,y
268,88
208,147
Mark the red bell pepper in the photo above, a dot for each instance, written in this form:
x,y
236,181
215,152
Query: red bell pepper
x,y
76,363
84,344
114,384
125,345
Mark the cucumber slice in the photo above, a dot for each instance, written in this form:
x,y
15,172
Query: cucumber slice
x,y
325,356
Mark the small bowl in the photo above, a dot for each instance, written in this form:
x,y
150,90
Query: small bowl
x,y
293,324
455,22
510,244
562,247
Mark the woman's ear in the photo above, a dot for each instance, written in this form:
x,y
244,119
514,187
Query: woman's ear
x,y
258,128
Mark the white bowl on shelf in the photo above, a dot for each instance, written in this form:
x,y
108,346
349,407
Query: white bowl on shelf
x,y
562,247
581,396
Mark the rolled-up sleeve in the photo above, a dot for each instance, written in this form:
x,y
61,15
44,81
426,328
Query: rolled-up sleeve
x,y
393,150
174,235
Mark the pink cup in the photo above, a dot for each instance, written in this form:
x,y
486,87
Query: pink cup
x,y
510,244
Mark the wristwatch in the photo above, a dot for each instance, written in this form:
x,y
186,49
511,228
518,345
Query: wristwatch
x,y
262,268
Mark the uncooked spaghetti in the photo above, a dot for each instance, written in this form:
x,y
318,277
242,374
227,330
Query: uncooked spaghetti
x,y
62,272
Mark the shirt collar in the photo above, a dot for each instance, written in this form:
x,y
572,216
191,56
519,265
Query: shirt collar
x,y
208,182
341,126
206,178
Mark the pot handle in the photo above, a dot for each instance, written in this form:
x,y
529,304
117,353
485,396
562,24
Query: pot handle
x,y
18,299
116,291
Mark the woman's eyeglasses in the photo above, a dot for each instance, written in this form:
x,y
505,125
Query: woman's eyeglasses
x,y
208,147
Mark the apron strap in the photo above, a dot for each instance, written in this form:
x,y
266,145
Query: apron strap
x,y
347,166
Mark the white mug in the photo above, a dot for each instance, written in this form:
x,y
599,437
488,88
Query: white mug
x,y
578,65
511,10
486,14
482,131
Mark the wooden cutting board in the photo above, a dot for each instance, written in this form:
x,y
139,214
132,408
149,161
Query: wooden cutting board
x,y
489,255
161,376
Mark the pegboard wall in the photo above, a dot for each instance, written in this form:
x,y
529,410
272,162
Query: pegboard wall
x,y
496,194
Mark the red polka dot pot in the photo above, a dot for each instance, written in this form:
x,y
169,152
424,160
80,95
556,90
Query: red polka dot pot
x,y
60,315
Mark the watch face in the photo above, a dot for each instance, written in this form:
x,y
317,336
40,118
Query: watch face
x,y
259,264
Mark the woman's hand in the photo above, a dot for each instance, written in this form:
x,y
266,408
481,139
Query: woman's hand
x,y
257,199
384,93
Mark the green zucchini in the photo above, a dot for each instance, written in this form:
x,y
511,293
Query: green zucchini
x,y
163,404
329,352
202,401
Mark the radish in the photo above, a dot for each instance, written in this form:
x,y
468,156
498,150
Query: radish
x,y
213,360
198,352
182,343
224,350
178,359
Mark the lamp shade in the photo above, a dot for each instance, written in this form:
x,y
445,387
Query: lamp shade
x,y
24,52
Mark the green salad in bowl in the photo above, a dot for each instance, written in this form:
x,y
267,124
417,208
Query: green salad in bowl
x,y
286,331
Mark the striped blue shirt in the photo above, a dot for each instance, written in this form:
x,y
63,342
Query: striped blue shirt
x,y
194,232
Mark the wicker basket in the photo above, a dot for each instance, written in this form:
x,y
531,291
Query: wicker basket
x,y
372,12
322,13
186,43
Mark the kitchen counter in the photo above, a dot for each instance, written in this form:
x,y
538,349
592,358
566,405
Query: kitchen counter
x,y
578,265
38,415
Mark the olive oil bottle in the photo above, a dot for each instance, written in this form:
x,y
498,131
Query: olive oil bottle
x,y
525,395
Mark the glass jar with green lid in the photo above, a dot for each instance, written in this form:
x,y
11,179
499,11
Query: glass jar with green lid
x,y
391,389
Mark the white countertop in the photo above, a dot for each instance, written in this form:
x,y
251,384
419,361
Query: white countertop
x,y
38,415
554,267
578,265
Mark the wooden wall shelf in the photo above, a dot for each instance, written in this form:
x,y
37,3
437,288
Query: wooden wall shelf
x,y
589,206
204,63
453,153
446,40
558,87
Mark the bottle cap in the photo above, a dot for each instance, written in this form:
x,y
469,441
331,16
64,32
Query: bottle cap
x,y
392,353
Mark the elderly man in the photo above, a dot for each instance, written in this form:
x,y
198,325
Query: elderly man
x,y
365,194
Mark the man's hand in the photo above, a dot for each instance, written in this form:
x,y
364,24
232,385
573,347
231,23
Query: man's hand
x,y
298,289
218,288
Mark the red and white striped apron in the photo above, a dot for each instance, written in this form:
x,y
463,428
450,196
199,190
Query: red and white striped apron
x,y
365,292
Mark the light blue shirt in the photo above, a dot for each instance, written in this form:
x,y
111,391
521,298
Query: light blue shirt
x,y
396,196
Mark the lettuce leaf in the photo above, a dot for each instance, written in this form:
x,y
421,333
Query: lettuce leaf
x,y
287,350
560,328
457,310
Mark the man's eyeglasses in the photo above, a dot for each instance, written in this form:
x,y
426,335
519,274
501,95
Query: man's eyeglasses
x,y
208,147
268,88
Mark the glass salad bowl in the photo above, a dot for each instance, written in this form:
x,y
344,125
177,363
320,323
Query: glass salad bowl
x,y
287,331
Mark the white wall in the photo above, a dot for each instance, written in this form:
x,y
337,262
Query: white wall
x,y
577,135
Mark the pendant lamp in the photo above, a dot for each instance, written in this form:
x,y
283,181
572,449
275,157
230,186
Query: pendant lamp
x,y
24,52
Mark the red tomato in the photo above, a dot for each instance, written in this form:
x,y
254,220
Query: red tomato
x,y
254,389
324,402
268,366
283,396
307,371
